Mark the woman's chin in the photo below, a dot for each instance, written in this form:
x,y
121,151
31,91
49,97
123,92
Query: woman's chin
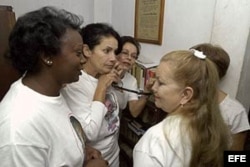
x,y
157,104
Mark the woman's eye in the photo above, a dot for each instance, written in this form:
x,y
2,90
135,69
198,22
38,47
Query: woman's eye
x,y
107,50
134,56
125,53
160,83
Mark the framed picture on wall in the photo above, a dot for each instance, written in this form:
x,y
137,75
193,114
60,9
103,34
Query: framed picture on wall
x,y
149,16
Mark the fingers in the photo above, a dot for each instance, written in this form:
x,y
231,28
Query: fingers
x,y
107,79
118,69
92,153
113,76
151,81
117,65
149,84
107,163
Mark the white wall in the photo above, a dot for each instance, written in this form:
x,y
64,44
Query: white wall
x,y
123,16
103,11
186,23
79,7
230,30
244,86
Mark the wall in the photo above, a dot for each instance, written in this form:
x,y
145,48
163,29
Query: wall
x,y
79,7
230,30
103,11
184,24
244,86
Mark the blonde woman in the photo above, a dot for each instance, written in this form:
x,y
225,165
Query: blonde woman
x,y
193,133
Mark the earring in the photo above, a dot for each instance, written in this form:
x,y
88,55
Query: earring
x,y
49,62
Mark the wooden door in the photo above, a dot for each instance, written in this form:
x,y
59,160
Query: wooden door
x,y
7,73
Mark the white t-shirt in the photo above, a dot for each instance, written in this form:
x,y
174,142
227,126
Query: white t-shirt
x,y
100,121
36,130
154,150
129,82
234,115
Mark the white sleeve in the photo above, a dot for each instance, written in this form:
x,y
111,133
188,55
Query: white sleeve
x,y
240,123
155,150
91,118
150,150
235,115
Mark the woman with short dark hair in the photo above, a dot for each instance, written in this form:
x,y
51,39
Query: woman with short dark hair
x,y
36,125
92,98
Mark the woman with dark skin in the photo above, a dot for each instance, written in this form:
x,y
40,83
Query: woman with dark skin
x,y
37,127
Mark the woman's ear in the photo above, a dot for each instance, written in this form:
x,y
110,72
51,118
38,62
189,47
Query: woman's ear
x,y
187,94
86,51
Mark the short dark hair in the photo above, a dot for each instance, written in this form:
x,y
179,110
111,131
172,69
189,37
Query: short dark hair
x,y
39,32
129,39
93,33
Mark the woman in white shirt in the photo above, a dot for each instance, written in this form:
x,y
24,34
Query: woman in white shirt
x,y
127,57
92,98
193,133
37,127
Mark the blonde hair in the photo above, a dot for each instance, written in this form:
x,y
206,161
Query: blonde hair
x,y
201,117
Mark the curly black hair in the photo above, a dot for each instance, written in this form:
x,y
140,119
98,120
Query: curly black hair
x,y
39,32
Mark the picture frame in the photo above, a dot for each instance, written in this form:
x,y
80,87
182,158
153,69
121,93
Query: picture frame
x,y
149,15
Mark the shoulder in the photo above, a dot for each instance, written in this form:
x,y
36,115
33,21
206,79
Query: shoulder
x,y
234,115
152,140
129,77
169,126
157,135
164,142
84,87
231,105
18,95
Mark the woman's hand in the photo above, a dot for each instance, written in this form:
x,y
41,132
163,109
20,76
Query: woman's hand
x,y
92,153
149,85
105,80
94,158
99,162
